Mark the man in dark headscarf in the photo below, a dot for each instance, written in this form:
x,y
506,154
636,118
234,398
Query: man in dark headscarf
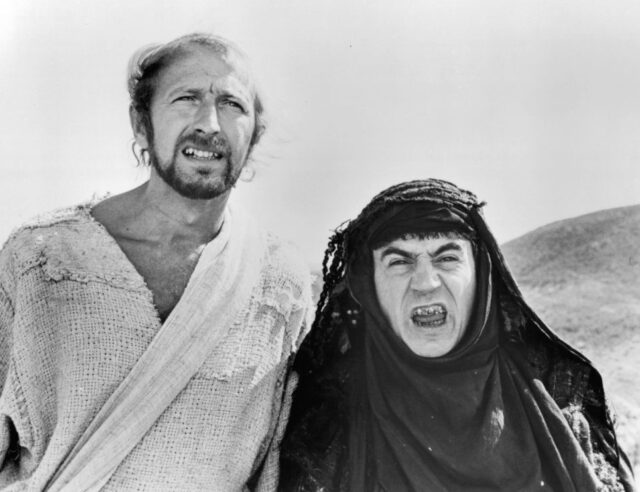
x,y
426,370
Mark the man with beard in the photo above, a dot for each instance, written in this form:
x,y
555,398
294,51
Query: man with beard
x,y
145,339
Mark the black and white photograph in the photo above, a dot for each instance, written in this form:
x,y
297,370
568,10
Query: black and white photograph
x,y
300,245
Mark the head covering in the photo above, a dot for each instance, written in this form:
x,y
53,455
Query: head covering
x,y
476,418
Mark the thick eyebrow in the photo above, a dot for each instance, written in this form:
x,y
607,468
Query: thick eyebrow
x,y
446,247
392,250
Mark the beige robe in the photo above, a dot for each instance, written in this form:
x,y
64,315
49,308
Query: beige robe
x,y
75,317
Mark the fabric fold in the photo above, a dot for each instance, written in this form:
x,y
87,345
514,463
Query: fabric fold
x,y
220,288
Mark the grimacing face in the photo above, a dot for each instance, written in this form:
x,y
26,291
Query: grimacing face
x,y
426,289
202,115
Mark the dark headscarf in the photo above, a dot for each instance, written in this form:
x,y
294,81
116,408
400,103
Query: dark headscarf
x,y
472,419
465,420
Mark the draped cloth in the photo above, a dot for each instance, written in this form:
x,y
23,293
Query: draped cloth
x,y
469,420
219,288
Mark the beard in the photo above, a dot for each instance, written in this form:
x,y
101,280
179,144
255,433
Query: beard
x,y
203,187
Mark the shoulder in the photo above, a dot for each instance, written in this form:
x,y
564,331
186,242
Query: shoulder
x,y
66,244
284,264
285,287
27,245
577,389
281,260
286,256
52,220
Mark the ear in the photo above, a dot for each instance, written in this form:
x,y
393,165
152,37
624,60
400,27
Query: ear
x,y
258,130
139,130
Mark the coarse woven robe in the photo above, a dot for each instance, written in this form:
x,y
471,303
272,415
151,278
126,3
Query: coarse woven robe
x,y
75,316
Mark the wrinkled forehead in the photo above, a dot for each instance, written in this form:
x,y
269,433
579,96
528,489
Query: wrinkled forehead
x,y
224,61
239,65
415,236
421,242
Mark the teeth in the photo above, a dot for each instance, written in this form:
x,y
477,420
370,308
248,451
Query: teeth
x,y
429,316
202,154
429,311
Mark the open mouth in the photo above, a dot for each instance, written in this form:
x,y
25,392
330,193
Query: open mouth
x,y
429,316
202,155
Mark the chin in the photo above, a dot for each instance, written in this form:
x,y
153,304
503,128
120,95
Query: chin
x,y
429,348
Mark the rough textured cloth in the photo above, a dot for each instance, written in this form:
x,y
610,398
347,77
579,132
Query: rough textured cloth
x,y
219,289
75,316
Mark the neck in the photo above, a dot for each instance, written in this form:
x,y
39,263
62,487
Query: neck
x,y
169,214
153,212
156,213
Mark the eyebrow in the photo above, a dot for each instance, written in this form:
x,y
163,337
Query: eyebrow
x,y
223,93
393,250
446,247
183,90
238,95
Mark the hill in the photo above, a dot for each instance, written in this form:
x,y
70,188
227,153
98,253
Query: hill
x,y
582,276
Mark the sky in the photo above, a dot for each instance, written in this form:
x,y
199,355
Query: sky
x,y
533,105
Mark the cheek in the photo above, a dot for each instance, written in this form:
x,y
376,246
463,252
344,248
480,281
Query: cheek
x,y
388,293
161,131
467,295
242,129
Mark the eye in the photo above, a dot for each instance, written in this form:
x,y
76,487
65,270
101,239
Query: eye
x,y
398,262
448,259
233,104
185,98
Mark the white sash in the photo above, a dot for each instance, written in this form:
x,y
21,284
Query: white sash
x,y
219,288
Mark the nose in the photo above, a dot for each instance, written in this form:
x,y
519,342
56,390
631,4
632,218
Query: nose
x,y
425,278
207,118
